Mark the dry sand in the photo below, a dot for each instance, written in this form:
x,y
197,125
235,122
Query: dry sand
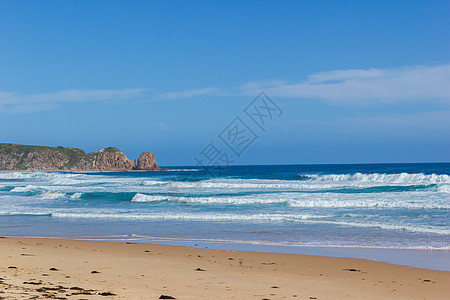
x,y
70,269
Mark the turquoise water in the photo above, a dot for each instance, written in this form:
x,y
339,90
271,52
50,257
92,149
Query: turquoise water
x,y
374,205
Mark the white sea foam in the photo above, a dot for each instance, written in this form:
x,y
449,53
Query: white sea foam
x,y
236,200
408,200
445,188
365,204
401,178
51,195
24,213
18,175
152,182
214,217
148,198
76,196
140,237
190,216
23,189
396,227
317,182
412,202
240,183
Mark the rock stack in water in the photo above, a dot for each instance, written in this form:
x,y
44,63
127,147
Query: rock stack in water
x,y
147,162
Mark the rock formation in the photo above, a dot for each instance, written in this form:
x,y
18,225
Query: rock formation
x,y
111,158
15,157
147,162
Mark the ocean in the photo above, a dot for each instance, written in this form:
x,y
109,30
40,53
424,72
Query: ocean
x,y
360,210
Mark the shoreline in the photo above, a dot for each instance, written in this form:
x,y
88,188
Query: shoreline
x,y
67,268
417,257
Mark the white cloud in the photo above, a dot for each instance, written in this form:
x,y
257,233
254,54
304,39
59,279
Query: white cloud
x,y
189,93
407,84
372,85
17,102
26,103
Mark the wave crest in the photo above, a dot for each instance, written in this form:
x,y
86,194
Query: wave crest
x,y
399,178
148,198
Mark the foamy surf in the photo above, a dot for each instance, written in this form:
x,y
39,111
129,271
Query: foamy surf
x,y
374,205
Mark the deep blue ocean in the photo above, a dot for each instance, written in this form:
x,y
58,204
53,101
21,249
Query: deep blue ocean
x,y
403,206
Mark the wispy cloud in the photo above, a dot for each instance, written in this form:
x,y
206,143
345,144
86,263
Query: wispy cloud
x,y
418,83
27,103
189,93
372,85
17,102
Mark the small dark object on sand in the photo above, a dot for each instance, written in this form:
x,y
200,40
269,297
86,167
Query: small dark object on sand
x,y
32,282
46,288
166,297
82,293
53,269
275,287
106,294
95,272
352,270
198,269
12,267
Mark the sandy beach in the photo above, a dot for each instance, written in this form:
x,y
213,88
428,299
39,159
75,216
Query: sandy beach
x,y
35,268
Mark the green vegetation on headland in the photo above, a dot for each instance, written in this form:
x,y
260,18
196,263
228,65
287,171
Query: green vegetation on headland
x,y
15,157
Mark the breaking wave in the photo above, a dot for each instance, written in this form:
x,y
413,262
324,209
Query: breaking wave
x,y
148,198
380,206
401,178
191,216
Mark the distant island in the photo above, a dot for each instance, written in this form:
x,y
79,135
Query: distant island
x,y
14,157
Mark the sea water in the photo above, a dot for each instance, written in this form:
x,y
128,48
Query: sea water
x,y
341,210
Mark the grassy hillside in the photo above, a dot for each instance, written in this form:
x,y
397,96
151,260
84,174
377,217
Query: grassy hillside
x,y
72,156
43,158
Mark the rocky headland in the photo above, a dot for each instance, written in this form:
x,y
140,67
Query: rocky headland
x,y
14,157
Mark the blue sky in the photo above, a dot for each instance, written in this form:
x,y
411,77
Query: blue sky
x,y
357,81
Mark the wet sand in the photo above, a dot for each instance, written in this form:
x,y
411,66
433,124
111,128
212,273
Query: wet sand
x,y
37,268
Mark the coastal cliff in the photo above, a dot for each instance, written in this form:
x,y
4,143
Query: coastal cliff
x,y
14,157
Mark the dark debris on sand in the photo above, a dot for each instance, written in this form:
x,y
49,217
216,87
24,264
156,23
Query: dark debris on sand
x,y
33,282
